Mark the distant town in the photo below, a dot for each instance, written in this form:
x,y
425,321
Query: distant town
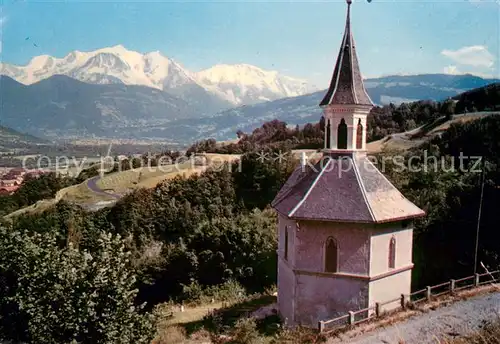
x,y
11,179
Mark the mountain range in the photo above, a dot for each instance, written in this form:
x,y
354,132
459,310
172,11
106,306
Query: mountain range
x,y
230,85
305,109
117,93
64,107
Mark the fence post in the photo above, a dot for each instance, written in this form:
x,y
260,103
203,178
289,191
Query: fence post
x,y
378,309
351,318
429,293
404,301
321,326
476,280
452,286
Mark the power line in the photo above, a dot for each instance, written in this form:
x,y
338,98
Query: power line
x,y
479,213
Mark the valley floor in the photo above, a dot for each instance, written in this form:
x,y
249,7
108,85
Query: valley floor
x,y
435,326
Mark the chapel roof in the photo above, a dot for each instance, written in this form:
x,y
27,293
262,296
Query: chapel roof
x,y
343,189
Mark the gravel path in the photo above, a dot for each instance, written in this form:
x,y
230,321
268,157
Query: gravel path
x,y
457,319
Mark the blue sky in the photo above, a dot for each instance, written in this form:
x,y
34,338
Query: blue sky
x,y
297,38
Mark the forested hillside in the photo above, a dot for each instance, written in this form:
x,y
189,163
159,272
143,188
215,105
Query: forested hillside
x,y
11,138
448,188
382,121
214,234
479,99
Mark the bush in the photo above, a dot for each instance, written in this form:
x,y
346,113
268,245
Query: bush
x,y
245,332
174,334
55,295
197,294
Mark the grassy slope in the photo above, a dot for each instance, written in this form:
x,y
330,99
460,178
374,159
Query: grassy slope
x,y
149,177
123,182
415,138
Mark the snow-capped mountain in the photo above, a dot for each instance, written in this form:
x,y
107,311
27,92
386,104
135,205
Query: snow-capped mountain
x,y
234,84
108,65
244,84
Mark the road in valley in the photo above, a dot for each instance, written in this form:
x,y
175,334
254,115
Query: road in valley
x,y
92,185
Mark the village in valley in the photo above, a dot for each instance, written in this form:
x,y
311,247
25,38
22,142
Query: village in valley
x,y
12,178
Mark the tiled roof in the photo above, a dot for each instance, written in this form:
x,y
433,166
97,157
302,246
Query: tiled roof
x,y
347,85
344,189
8,189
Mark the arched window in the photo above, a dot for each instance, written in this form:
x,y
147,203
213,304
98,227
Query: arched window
x,y
331,255
328,134
342,135
392,253
286,243
359,136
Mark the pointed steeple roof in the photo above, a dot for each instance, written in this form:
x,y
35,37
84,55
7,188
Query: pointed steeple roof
x,y
347,86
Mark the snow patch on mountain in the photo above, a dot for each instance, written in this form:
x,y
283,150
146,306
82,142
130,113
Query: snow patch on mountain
x,y
244,84
237,84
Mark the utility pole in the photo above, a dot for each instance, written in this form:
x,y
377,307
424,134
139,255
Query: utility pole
x,y
483,174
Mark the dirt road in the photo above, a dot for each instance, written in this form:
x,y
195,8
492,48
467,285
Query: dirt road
x,y
457,319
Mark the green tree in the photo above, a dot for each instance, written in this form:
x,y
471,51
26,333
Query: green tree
x,y
448,108
261,175
55,295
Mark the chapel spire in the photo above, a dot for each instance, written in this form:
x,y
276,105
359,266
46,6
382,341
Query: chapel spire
x,y
346,87
341,217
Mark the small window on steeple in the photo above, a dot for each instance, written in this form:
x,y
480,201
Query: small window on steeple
x,y
342,135
359,136
328,135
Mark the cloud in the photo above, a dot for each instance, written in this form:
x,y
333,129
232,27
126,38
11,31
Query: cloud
x,y
452,70
476,56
